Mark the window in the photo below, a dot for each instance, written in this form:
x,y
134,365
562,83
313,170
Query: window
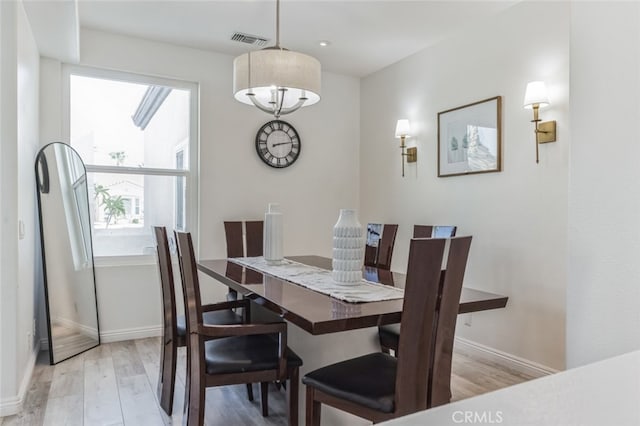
x,y
137,136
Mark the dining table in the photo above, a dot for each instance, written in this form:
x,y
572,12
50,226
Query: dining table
x,y
328,330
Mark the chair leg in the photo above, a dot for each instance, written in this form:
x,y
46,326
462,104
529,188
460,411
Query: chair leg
x,y
264,398
196,414
250,391
167,376
292,396
194,401
385,350
313,408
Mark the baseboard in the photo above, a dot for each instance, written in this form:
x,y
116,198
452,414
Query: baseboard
x,y
13,405
130,334
511,361
118,335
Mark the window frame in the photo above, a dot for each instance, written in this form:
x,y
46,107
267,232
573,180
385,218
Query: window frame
x,y
185,150
190,175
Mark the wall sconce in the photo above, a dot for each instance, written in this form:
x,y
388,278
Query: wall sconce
x,y
403,131
535,98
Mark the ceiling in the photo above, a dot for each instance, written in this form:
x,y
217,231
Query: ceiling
x,y
364,35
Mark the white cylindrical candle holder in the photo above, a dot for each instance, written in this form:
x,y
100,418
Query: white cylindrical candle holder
x,y
273,239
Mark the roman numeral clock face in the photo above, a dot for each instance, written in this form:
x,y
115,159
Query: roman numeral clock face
x,y
278,144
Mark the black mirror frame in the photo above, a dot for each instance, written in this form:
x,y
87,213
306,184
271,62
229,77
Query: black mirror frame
x,y
43,187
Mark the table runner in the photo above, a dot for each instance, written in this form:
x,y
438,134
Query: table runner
x,y
320,280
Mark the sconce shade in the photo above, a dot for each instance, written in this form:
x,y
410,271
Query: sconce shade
x,y
403,128
536,94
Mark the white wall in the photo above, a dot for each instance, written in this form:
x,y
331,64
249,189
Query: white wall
x,y
9,197
28,143
517,217
603,291
19,76
234,183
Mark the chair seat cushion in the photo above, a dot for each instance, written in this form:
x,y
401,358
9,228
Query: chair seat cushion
x,y
389,336
222,317
369,380
240,354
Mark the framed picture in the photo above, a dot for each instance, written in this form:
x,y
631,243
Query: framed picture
x,y
469,139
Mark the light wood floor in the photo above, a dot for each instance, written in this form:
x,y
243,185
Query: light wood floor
x,y
115,384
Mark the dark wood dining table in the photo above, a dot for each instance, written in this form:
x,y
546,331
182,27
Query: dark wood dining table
x,y
318,313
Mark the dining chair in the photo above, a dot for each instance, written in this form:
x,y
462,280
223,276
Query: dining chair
x,y
174,326
434,231
378,386
451,281
389,334
253,236
380,256
219,355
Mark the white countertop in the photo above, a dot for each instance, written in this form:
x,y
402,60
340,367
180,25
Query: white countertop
x,y
605,393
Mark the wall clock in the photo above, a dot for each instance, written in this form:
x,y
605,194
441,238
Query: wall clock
x,y
278,144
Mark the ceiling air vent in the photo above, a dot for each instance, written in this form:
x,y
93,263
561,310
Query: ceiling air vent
x,y
249,39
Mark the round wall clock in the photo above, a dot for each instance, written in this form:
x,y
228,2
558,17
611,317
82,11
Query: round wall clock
x,y
278,144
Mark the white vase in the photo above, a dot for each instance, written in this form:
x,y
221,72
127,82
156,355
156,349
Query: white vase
x,y
273,239
348,248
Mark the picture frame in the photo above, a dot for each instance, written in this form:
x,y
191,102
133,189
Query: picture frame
x,y
470,138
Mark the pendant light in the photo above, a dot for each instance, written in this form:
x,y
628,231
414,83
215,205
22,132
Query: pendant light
x,y
276,80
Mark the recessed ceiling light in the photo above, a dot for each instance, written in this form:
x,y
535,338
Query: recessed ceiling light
x,y
324,43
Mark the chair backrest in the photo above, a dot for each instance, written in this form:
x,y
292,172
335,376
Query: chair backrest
x,y
370,254
166,280
235,245
385,246
374,232
422,231
418,321
235,240
255,238
190,283
449,302
434,231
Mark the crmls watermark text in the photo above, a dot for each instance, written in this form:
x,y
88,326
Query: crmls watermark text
x,y
484,417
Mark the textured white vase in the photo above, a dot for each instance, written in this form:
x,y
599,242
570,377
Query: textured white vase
x,y
273,240
348,248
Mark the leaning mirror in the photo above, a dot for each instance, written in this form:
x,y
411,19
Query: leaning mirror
x,y
67,253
